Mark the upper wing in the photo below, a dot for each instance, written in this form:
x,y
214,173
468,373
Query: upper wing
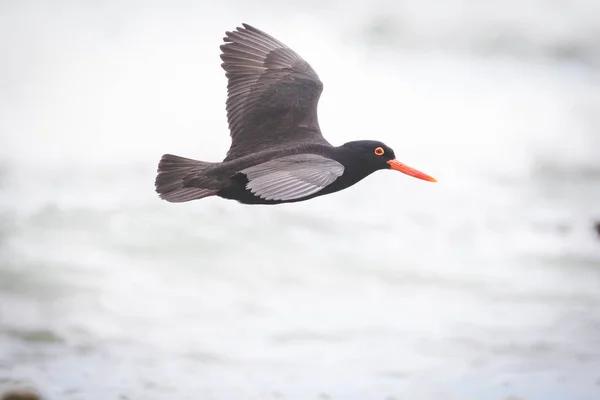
x,y
272,93
292,177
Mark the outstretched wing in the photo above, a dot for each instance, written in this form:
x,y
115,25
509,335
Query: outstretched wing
x,y
292,177
272,93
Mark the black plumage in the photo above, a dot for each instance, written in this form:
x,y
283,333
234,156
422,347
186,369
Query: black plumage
x,y
277,153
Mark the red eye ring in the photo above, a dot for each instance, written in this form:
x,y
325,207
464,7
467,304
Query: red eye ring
x,y
379,151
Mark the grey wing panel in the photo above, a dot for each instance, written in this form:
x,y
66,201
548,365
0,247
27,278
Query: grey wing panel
x,y
292,177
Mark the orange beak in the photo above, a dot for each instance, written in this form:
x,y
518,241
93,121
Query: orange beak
x,y
398,166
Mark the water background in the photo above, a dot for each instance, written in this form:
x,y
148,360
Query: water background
x,y
483,286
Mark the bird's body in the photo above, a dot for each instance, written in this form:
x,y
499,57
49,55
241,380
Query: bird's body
x,y
277,154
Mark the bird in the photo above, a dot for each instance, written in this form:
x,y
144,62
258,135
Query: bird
x,y
278,153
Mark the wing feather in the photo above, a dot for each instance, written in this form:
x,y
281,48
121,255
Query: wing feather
x,y
292,177
273,93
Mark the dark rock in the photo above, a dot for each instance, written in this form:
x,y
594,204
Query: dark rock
x,y
20,395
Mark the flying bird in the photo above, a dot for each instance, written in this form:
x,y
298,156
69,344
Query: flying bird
x,y
277,154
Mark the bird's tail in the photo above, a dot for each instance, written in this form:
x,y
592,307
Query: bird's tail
x,y
179,179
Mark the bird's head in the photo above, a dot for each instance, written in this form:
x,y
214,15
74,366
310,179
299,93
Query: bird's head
x,y
378,155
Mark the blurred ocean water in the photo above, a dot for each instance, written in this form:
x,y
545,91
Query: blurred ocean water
x,y
485,285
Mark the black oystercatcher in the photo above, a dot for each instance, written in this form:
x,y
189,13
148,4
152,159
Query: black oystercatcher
x,y
277,154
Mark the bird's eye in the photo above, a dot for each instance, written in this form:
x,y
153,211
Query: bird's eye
x,y
379,151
